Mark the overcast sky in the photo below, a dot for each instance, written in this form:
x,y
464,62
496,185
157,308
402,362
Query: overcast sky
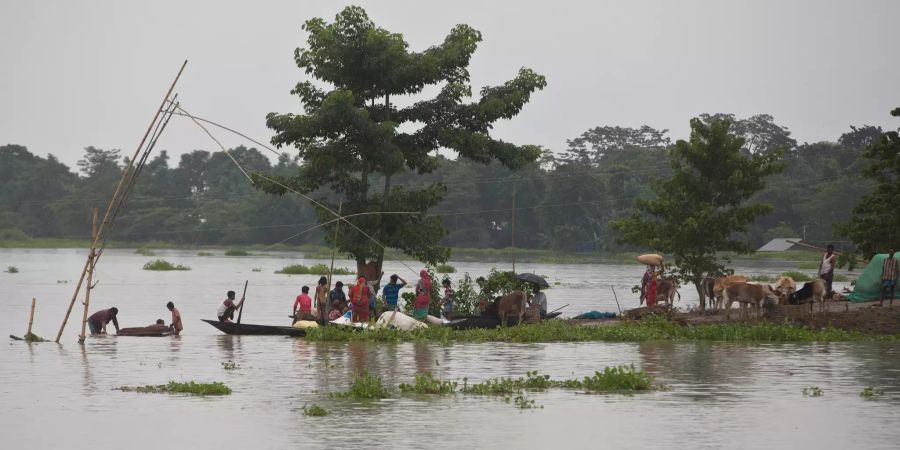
x,y
83,73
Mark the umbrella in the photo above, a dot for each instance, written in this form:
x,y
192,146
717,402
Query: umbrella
x,y
532,278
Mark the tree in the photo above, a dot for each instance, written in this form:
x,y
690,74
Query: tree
x,y
594,144
355,132
875,224
701,208
760,132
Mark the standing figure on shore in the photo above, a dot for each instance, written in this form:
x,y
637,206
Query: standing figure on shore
x,y
888,278
447,301
423,296
648,286
392,292
826,268
322,299
359,298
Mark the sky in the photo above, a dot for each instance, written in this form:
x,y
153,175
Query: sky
x,y
74,74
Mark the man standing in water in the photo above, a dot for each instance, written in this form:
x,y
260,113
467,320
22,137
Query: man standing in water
x,y
176,318
888,278
97,322
226,310
826,268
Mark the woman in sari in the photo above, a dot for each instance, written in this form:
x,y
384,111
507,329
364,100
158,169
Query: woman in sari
x,y
423,296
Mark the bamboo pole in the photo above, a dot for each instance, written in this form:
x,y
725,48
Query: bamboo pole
x,y
243,297
112,202
90,275
30,318
337,227
513,235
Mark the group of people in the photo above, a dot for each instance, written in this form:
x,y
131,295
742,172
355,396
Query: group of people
x,y
360,299
98,321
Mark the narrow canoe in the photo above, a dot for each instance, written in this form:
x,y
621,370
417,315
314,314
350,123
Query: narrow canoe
x,y
251,329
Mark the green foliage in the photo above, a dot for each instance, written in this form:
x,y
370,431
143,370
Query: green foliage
x,y
875,225
314,411
698,211
315,269
204,254
761,278
427,384
160,264
230,365
813,391
445,268
236,252
12,269
352,137
175,387
871,392
31,337
523,402
808,265
618,379
364,387
798,276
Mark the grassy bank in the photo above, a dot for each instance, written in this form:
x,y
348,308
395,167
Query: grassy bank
x,y
627,331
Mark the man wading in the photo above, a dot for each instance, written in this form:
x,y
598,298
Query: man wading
x,y
97,322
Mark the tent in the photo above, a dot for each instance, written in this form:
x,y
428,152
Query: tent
x,y
868,286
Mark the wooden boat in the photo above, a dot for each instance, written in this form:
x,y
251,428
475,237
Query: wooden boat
x,y
251,329
150,331
469,322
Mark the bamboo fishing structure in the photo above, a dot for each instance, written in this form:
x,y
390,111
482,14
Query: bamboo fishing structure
x,y
118,198
90,275
243,298
30,318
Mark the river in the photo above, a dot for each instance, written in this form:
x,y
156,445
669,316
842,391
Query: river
x,y
720,394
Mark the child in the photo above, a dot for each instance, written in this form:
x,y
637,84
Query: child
x,y
447,302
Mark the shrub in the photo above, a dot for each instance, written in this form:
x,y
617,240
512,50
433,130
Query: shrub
x,y
314,411
619,379
236,252
364,387
445,268
160,264
427,384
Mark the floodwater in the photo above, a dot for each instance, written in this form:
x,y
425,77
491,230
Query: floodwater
x,y
721,394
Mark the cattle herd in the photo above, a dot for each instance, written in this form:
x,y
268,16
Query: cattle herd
x,y
721,292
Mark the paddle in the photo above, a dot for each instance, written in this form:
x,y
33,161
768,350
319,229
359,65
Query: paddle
x,y
617,299
241,309
557,309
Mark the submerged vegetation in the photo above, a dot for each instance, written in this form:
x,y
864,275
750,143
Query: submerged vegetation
x,y
175,387
649,329
161,264
12,269
813,391
314,411
871,392
315,269
364,387
426,383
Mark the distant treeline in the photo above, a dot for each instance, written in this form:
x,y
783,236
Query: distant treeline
x,y
564,202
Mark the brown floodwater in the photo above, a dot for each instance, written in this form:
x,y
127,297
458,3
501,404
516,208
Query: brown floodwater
x,y
721,394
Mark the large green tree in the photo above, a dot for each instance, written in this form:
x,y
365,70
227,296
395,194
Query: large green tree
x,y
875,224
700,210
353,131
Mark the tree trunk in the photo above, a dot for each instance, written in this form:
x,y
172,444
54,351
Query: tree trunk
x,y
699,286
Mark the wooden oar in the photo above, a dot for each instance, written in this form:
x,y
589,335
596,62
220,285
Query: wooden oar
x,y
243,296
557,309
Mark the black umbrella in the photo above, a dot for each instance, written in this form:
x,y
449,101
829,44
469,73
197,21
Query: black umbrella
x,y
534,279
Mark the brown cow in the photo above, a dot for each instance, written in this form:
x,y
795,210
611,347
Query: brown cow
x,y
707,292
512,303
753,294
723,282
666,290
784,287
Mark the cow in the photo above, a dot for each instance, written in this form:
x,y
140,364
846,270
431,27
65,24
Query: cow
x,y
784,287
811,292
707,292
512,303
723,282
754,295
666,290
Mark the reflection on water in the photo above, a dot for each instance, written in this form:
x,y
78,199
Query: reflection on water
x,y
721,395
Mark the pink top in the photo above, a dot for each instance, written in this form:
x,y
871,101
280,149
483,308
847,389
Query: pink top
x,y
305,303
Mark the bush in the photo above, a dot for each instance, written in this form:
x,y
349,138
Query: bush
x,y
236,252
619,379
314,411
315,269
445,268
14,235
160,264
364,387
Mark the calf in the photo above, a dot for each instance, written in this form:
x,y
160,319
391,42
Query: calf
x,y
722,283
753,294
811,292
666,290
512,303
785,287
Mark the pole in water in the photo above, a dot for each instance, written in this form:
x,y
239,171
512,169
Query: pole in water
x,y
337,227
112,202
30,318
513,231
243,297
90,275
617,299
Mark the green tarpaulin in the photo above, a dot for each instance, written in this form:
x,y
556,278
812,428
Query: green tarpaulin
x,y
868,286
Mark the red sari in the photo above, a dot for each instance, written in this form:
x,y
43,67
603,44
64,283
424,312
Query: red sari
x,y
359,297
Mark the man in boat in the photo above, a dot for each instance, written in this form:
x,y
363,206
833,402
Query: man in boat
x,y
227,308
392,292
303,306
539,298
338,301
97,322
176,325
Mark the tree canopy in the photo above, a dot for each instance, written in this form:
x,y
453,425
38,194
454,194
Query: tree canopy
x,y
353,138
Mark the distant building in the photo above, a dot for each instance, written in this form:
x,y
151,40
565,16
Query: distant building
x,y
781,245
